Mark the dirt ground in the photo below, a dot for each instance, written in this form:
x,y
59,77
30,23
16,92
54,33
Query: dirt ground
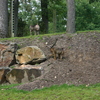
x,y
80,63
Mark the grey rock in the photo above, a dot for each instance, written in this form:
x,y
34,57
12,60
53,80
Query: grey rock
x,y
22,75
7,54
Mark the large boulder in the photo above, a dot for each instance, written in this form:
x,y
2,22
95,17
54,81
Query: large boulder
x,y
3,72
29,55
23,74
7,53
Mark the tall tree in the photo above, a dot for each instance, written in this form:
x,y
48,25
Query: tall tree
x,y
70,16
16,4
54,20
44,8
3,18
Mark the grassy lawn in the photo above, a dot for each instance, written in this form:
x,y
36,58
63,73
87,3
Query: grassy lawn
x,y
49,34
63,92
31,36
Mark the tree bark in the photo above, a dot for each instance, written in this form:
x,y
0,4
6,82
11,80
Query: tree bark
x,y
70,16
16,17
44,8
54,20
3,18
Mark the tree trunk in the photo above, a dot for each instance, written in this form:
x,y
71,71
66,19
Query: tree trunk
x,y
70,16
44,8
16,17
9,22
3,18
12,18
54,20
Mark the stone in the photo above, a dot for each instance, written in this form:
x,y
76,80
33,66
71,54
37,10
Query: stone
x,y
30,55
7,54
2,35
23,74
27,67
3,72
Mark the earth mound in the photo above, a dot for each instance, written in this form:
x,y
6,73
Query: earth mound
x,y
80,64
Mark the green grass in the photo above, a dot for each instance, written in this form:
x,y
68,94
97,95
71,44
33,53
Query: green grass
x,y
63,92
79,32
40,37
33,36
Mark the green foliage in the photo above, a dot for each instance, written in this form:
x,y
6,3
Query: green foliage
x,y
60,7
21,28
62,92
87,15
30,14
30,11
